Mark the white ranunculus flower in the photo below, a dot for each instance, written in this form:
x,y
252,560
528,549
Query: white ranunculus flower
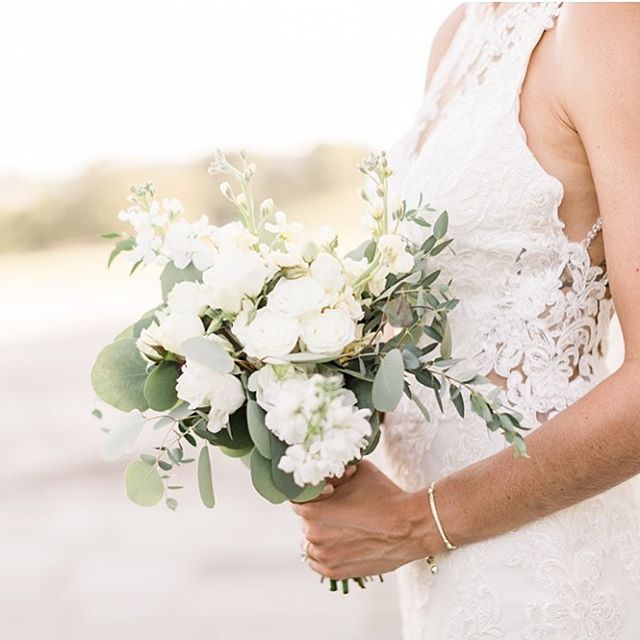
x,y
328,332
268,334
170,331
234,275
186,298
327,270
201,386
233,236
394,253
298,297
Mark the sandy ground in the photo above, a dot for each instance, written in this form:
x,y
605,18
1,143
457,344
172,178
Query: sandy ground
x,y
77,559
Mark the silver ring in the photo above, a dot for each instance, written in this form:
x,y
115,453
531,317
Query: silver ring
x,y
304,554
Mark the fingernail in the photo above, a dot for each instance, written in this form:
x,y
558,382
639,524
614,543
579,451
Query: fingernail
x,y
351,470
327,490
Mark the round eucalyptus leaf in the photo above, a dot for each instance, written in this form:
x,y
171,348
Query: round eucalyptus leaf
x,y
388,383
236,453
310,492
160,386
171,275
207,353
143,483
262,479
123,436
119,374
260,435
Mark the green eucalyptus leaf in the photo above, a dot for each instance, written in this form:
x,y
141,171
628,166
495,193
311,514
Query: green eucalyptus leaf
x,y
119,374
388,384
122,437
258,431
205,478
262,479
171,275
160,387
143,484
236,453
207,353
283,481
445,345
310,492
399,312
441,225
480,407
122,245
134,330
457,399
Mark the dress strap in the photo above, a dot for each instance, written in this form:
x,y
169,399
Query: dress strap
x,y
596,227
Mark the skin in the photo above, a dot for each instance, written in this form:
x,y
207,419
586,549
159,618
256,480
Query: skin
x,y
580,105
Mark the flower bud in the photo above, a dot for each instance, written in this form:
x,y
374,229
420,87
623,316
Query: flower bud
x,y
241,199
227,191
266,207
309,251
363,195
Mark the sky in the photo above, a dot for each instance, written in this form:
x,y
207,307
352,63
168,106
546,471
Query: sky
x,y
169,80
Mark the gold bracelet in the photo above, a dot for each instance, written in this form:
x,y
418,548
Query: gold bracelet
x,y
432,503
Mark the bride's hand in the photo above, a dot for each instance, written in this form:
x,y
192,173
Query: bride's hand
x,y
366,526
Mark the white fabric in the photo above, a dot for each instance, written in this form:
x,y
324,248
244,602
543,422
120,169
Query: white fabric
x,y
535,312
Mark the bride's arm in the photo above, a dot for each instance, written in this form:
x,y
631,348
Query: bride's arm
x,y
594,444
369,525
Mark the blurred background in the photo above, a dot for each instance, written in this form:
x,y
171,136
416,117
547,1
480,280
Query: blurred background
x,y
100,94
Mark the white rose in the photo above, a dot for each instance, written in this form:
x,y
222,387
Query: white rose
x,y
235,275
297,297
200,386
269,334
186,298
170,331
327,270
394,253
328,332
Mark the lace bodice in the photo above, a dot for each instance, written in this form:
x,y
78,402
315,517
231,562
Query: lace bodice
x,y
534,316
534,311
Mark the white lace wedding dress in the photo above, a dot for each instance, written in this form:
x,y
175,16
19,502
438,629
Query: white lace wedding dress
x,y
535,312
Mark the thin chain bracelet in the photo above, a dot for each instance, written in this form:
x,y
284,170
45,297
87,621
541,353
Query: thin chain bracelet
x,y
431,561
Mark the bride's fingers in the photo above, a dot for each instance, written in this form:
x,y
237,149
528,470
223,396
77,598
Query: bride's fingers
x,y
349,472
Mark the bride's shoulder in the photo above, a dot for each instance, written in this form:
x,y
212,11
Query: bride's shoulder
x,y
597,43
443,39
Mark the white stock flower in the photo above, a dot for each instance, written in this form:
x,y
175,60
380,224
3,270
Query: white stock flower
x,y
235,275
291,233
186,298
190,242
298,297
327,270
326,235
169,332
200,386
269,334
368,223
172,207
320,421
394,253
378,281
328,332
147,246
354,268
288,259
233,236
144,220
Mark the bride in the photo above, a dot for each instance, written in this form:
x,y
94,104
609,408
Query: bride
x,y
528,134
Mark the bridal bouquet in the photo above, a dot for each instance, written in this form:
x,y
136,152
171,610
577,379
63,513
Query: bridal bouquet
x,y
275,348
